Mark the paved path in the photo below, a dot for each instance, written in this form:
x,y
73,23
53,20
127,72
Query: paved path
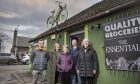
x,y
15,74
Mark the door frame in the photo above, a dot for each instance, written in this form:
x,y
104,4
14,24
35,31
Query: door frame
x,y
74,33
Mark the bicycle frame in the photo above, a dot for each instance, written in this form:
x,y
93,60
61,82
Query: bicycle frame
x,y
56,18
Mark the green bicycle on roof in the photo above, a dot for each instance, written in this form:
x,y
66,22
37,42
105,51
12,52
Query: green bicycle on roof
x,y
57,16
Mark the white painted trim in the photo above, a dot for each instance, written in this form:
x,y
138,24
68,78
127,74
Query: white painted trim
x,y
77,32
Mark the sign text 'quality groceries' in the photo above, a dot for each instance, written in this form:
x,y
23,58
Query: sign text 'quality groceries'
x,y
122,44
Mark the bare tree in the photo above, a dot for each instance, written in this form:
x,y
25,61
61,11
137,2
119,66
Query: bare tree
x,y
4,38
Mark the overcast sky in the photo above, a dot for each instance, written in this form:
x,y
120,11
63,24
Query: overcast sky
x,y
31,15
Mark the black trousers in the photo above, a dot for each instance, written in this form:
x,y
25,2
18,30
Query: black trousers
x,y
87,80
65,77
56,76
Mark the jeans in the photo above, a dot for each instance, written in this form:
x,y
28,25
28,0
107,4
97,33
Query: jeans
x,y
76,78
65,77
39,75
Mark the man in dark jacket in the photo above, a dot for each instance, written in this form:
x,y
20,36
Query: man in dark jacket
x,y
87,62
74,54
39,59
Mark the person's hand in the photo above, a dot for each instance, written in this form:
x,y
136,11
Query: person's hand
x,y
94,72
68,68
78,72
59,67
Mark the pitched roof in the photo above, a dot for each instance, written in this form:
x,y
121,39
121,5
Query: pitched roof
x,y
98,10
22,41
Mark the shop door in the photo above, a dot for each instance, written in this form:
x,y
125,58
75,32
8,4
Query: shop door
x,y
78,35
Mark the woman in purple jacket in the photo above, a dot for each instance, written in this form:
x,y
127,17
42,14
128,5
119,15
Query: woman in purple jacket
x,y
64,64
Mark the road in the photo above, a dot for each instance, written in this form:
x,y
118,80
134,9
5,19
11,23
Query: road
x,y
11,74
5,67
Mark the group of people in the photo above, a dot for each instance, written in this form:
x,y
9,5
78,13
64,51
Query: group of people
x,y
76,65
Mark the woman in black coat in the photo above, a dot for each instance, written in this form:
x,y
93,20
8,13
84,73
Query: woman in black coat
x,y
87,62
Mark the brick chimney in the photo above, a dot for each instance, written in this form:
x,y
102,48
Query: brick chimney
x,y
15,37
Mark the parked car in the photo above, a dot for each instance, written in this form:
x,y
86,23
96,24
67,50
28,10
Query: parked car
x,y
8,58
25,59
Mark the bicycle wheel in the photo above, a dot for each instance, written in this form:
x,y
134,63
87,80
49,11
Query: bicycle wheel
x,y
63,15
50,22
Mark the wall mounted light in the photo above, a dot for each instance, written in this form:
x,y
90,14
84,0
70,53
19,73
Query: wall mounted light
x,y
98,26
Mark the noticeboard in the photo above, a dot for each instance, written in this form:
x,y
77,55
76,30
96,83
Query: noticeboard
x,y
122,44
